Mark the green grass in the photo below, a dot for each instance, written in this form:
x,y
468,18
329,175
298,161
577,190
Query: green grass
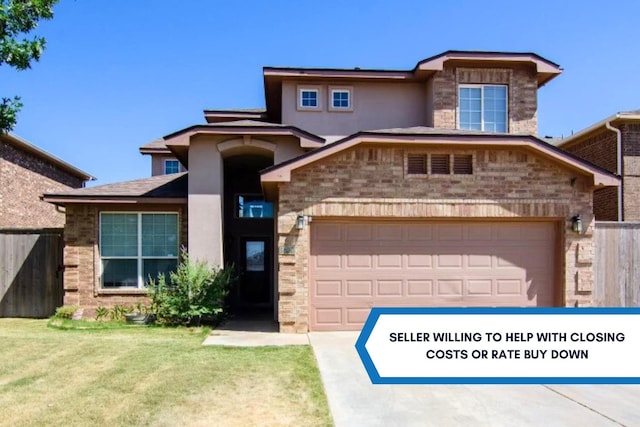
x,y
121,375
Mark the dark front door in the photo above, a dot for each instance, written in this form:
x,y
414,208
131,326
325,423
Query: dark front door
x,y
255,272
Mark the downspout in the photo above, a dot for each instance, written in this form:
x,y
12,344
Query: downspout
x,y
619,165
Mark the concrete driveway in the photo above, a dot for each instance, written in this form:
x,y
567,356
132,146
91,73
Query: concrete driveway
x,y
354,401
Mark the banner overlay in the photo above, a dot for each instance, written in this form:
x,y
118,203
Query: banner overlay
x,y
501,345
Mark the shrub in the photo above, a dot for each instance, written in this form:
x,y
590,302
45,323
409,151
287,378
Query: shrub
x,y
65,312
102,313
118,312
195,291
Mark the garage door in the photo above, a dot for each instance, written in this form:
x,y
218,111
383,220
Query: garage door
x,y
358,265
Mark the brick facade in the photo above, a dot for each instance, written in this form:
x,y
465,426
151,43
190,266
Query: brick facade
x,y
24,178
82,256
370,182
631,170
522,95
600,148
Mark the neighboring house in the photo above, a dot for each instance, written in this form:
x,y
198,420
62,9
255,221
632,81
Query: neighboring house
x,y
356,188
26,173
614,145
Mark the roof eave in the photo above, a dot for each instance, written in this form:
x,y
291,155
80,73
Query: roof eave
x,y
601,124
63,200
27,146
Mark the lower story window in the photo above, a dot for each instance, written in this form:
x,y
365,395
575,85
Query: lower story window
x,y
137,246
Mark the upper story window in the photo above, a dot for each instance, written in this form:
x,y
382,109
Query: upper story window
x,y
483,107
171,166
308,98
340,98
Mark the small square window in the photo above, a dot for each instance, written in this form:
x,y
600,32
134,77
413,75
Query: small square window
x,y
440,164
340,99
309,98
171,166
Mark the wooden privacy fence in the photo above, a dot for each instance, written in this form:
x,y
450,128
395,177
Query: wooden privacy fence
x,y
617,264
30,272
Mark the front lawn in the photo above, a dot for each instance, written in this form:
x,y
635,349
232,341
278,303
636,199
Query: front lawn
x,y
151,376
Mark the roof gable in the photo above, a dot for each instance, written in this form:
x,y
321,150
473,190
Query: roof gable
x,y
431,136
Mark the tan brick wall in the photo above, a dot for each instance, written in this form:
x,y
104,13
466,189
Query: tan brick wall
x,y
600,149
631,170
23,179
522,95
82,257
370,182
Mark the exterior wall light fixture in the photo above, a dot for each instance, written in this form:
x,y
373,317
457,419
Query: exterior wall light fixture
x,y
302,220
576,224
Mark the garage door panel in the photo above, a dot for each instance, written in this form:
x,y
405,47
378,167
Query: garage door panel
x,y
449,287
420,233
359,232
328,261
389,261
419,287
480,287
389,288
327,232
359,288
484,261
509,287
448,232
332,288
390,233
448,264
449,261
479,232
419,261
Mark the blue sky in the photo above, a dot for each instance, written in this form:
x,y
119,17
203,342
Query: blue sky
x,y
117,73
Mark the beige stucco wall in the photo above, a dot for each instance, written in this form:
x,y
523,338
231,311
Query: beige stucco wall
x,y
205,201
369,182
375,106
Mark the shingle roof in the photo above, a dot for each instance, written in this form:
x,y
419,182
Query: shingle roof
x,y
165,186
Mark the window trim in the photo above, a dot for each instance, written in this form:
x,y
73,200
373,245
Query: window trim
x,y
308,88
139,257
164,166
344,89
481,86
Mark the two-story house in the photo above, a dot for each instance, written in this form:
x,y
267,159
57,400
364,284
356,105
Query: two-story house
x,y
355,188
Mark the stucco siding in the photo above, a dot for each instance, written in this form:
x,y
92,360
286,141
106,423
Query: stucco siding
x,y
375,106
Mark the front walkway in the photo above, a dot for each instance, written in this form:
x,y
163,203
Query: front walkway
x,y
252,332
